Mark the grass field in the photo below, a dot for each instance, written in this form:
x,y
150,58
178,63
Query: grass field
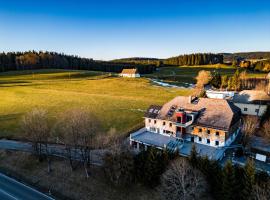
x,y
186,74
117,102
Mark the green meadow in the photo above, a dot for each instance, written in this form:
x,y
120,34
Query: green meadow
x,y
118,102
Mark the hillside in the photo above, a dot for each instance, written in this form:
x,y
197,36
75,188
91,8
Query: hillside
x,y
229,57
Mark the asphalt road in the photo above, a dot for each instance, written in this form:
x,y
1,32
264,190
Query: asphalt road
x,y
11,189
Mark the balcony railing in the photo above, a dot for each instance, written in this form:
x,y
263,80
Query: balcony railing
x,y
184,125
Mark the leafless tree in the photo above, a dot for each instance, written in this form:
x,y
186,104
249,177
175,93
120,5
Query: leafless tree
x,y
243,79
182,181
36,127
203,78
249,126
77,130
266,130
262,193
260,86
119,165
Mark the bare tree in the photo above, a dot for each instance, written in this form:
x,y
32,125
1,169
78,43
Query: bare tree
x,y
118,165
243,79
182,181
249,126
266,130
36,127
203,78
262,193
260,86
78,129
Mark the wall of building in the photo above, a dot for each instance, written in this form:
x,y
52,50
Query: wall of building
x,y
157,125
250,109
211,135
130,75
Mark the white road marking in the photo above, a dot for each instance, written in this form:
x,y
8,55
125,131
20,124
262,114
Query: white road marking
x,y
26,186
7,194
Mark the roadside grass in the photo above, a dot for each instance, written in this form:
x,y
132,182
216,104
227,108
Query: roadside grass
x,y
118,102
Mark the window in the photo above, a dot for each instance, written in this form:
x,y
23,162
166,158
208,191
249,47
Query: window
x,y
149,120
208,131
257,110
217,143
245,109
208,141
200,139
170,124
164,123
217,133
200,130
155,121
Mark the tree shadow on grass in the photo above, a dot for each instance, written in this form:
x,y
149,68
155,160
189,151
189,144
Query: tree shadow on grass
x,y
10,116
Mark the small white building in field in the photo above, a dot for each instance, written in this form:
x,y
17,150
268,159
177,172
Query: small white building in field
x,y
130,73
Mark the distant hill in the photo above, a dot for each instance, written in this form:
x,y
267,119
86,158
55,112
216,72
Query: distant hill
x,y
138,60
229,57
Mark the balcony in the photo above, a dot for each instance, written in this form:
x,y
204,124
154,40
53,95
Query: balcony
x,y
184,125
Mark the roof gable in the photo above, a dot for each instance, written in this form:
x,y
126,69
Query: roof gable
x,y
129,71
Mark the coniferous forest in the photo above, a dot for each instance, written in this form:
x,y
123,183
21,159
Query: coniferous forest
x,y
195,59
43,60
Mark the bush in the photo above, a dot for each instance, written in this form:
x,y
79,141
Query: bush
x,y
149,165
119,168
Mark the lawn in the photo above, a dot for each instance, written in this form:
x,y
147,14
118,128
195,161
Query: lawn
x,y
186,74
118,102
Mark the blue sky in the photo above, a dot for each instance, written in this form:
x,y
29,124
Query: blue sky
x,y
103,29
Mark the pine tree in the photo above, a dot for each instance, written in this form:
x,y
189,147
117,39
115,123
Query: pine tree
x,y
193,158
249,177
228,181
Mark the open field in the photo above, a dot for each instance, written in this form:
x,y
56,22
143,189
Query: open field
x,y
186,74
118,102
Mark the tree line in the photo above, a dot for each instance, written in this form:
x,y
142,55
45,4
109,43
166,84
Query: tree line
x,y
43,60
195,59
237,81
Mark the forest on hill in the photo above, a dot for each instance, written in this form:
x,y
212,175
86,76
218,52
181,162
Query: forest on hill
x,y
195,59
138,60
187,59
230,57
42,60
